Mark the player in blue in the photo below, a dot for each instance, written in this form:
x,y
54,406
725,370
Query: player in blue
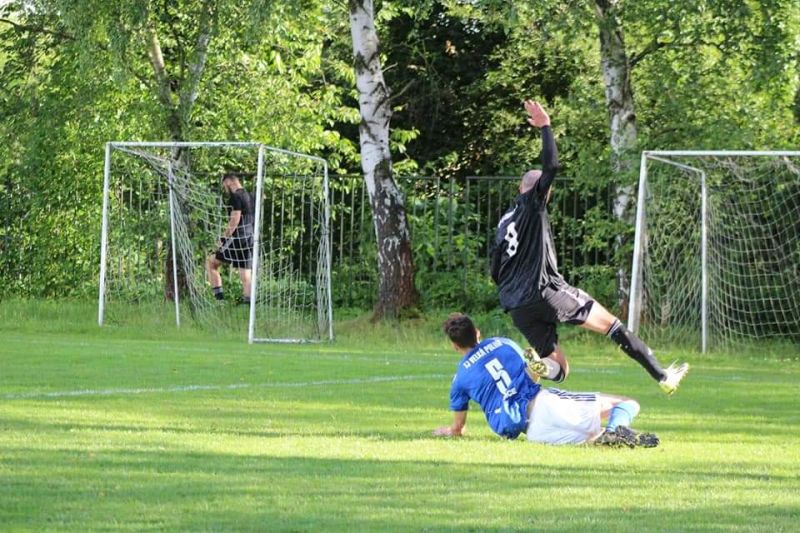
x,y
494,374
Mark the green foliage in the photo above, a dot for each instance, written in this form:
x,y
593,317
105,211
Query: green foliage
x,y
76,74
451,271
78,81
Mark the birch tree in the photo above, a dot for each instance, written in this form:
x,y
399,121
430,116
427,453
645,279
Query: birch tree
x,y
396,289
616,71
177,93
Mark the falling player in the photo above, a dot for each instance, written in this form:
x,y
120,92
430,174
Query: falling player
x,y
532,290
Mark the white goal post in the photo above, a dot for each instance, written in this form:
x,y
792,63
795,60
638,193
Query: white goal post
x,y
163,214
717,247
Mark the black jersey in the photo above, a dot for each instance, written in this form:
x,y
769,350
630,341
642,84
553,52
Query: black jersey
x,y
241,200
524,255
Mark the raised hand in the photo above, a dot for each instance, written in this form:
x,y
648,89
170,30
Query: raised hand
x,y
537,116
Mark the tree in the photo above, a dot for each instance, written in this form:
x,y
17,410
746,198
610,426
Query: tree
x,y
396,290
77,74
623,135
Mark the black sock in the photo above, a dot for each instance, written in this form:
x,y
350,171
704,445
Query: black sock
x,y
636,349
218,294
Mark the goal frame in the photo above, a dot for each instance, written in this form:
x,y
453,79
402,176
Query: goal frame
x,y
640,241
263,149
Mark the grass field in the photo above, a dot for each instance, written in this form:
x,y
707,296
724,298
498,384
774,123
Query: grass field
x,y
134,429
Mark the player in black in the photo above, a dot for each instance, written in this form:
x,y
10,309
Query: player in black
x,y
235,246
532,290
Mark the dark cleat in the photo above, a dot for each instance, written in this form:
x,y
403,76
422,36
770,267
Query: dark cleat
x,y
636,438
612,439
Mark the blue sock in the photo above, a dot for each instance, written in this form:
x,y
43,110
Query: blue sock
x,y
622,414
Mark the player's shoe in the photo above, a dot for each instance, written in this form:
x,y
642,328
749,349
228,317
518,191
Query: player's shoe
x,y
635,438
625,436
610,438
536,367
674,374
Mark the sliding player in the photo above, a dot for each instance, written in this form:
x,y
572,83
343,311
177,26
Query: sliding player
x,y
532,290
493,373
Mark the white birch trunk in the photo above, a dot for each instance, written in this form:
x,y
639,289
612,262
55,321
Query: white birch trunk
x,y
396,289
197,63
616,70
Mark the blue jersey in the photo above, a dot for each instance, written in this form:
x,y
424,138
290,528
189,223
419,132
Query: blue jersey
x,y
493,375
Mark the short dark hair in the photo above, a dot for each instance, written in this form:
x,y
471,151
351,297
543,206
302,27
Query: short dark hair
x,y
461,330
230,176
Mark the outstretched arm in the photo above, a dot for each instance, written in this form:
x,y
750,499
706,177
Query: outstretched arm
x,y
456,429
538,118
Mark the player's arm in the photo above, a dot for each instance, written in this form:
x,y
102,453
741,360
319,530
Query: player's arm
x,y
456,429
234,218
233,222
538,118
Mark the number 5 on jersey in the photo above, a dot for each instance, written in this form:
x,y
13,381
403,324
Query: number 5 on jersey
x,y
502,381
501,378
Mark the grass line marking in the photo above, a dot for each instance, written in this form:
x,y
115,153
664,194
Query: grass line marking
x,y
234,386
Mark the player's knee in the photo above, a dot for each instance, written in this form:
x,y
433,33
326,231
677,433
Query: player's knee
x,y
631,405
599,319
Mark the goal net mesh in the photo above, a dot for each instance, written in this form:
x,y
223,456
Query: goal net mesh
x,y
752,249
290,273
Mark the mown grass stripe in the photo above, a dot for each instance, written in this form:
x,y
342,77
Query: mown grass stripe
x,y
234,386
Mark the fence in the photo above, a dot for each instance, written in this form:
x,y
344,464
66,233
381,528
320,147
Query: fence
x,y
452,224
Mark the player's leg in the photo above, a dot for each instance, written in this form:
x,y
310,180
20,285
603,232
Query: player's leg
x,y
541,334
244,262
245,276
618,410
600,320
575,306
213,263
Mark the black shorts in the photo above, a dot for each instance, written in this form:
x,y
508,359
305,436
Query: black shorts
x,y
236,252
538,320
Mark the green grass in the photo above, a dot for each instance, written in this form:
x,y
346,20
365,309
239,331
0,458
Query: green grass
x,y
337,436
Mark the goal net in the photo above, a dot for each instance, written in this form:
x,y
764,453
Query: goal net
x,y
164,215
717,248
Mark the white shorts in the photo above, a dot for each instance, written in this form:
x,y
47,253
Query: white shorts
x,y
561,417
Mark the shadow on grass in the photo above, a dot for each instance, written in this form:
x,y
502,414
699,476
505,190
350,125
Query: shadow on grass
x,y
194,491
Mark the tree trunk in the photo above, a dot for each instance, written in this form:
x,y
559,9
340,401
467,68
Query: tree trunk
x,y
396,290
178,102
616,69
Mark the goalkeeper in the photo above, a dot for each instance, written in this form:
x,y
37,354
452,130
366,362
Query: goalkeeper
x,y
530,288
494,374
235,246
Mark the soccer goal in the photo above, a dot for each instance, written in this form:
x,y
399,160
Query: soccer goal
x,y
164,213
717,247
